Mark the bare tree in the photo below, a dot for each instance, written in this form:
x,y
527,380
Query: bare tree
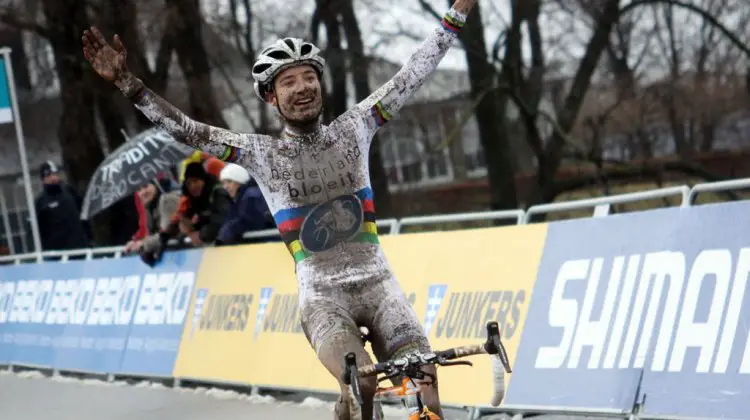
x,y
339,19
615,31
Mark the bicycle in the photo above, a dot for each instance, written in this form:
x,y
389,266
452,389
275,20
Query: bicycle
x,y
409,369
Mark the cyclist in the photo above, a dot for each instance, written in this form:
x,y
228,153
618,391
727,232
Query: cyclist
x,y
315,180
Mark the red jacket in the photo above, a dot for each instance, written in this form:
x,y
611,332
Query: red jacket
x,y
142,231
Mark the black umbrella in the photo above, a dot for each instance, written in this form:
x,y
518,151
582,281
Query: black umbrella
x,y
131,166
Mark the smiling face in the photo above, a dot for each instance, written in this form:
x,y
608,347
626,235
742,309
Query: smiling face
x,y
297,94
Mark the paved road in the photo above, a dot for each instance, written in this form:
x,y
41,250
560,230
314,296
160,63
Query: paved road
x,y
31,396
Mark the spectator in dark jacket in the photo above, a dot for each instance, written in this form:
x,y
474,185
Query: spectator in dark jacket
x,y
249,211
208,205
200,220
58,213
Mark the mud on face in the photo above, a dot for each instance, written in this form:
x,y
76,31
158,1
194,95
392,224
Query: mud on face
x,y
298,95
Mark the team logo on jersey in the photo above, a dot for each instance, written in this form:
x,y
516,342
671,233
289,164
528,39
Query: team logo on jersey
x,y
331,223
265,299
435,295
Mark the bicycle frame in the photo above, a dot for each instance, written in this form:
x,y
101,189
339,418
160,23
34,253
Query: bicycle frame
x,y
411,397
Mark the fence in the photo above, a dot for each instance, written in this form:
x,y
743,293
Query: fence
x,y
631,407
601,207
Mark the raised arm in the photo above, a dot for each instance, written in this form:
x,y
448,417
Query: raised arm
x,y
385,102
110,63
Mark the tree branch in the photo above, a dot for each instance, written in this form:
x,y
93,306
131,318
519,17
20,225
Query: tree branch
x,y
431,10
215,63
163,58
11,18
706,15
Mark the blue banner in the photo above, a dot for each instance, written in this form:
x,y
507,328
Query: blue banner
x,y
645,307
108,316
700,365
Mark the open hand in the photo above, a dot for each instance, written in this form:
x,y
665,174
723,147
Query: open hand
x,y
107,60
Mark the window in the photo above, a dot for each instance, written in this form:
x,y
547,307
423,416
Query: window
x,y
437,157
616,148
410,155
15,213
476,165
41,65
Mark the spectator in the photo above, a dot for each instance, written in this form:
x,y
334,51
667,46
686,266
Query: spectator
x,y
201,218
208,205
159,203
58,213
213,167
249,211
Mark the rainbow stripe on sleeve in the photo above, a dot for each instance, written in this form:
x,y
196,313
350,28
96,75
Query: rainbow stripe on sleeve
x,y
380,114
231,154
289,222
451,24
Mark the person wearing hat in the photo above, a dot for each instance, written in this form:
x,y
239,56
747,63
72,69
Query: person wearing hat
x,y
249,211
201,214
156,202
58,213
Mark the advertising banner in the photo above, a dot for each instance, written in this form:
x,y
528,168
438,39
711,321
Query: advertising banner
x,y
699,360
244,322
579,345
109,315
645,307
462,280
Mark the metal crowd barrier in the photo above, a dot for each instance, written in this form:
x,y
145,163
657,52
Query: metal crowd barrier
x,y
601,208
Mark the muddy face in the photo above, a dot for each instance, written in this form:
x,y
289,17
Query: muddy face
x,y
298,95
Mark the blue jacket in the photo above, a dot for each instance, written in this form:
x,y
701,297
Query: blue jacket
x,y
249,212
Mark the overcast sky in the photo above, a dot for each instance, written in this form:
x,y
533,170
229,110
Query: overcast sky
x,y
377,21
564,34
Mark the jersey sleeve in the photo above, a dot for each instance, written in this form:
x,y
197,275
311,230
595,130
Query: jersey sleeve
x,y
227,145
378,108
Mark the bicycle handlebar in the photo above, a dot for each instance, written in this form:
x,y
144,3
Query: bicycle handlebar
x,y
410,365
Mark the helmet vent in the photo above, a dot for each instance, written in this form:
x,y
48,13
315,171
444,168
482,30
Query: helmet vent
x,y
260,68
279,55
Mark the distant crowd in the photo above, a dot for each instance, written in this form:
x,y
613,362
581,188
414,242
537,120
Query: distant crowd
x,y
204,201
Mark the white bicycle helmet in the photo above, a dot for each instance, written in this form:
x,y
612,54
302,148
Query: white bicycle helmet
x,y
281,54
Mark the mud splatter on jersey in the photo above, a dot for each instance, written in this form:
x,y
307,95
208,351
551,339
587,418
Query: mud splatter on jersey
x,y
318,186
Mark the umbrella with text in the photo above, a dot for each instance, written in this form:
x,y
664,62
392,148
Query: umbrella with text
x,y
131,166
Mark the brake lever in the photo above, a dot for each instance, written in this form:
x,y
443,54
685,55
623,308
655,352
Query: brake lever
x,y
494,345
503,355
